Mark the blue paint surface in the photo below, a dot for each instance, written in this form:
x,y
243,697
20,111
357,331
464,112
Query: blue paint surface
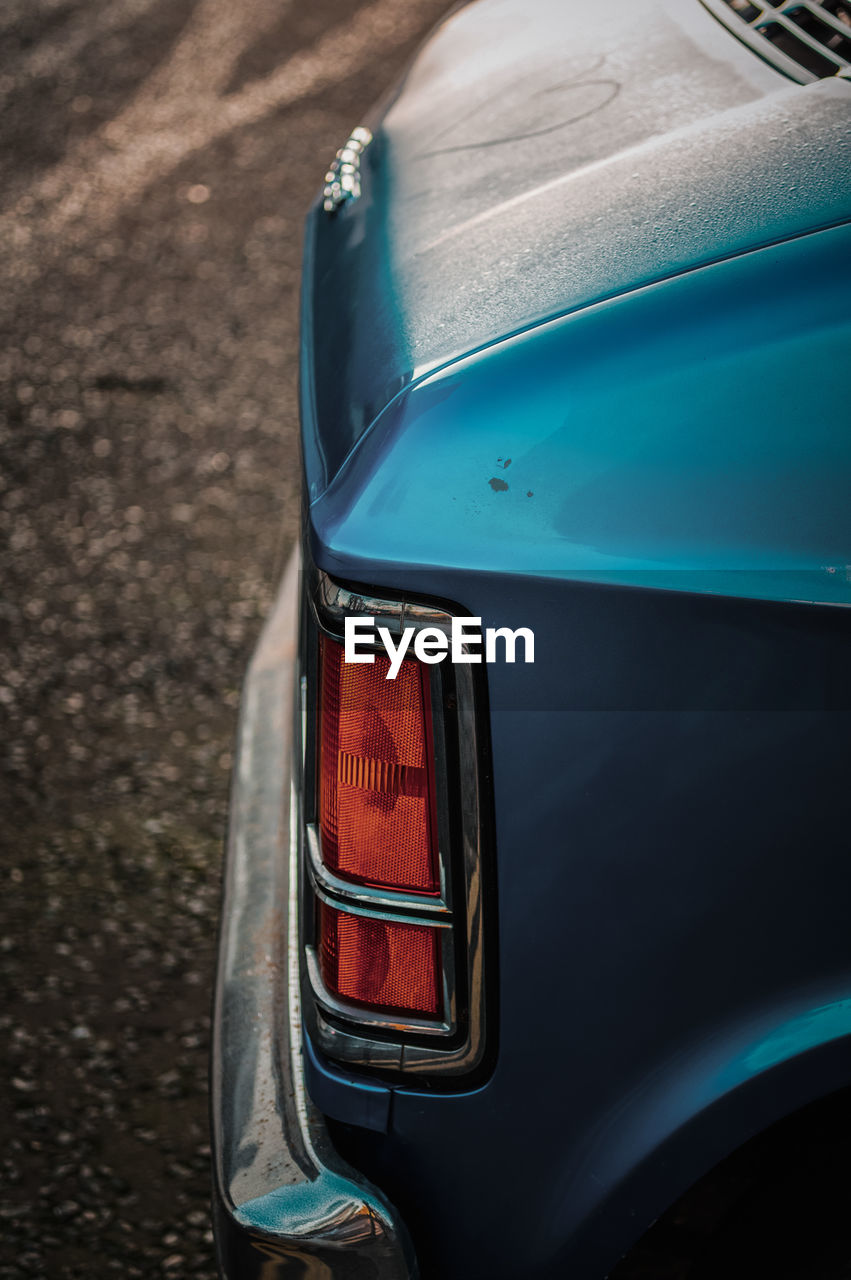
x,y
690,150
669,777
806,1031
597,386
641,448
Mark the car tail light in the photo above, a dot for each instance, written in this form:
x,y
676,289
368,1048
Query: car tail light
x,y
392,898
383,964
376,773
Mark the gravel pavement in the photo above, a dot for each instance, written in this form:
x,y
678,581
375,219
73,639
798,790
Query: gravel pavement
x,y
160,156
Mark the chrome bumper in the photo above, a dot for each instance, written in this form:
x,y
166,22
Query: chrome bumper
x,y
285,1204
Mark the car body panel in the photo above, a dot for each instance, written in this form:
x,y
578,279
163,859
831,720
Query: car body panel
x,y
672,892
652,142
608,444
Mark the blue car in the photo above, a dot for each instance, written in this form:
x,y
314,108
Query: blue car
x,y
538,881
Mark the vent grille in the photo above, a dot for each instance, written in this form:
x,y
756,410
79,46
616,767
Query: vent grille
x,y
805,39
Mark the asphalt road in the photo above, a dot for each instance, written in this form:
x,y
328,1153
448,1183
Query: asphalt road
x,y
159,159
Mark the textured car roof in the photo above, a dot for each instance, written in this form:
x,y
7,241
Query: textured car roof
x,y
538,159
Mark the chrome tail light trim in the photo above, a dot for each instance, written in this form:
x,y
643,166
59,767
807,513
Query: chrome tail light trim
x,y
360,1037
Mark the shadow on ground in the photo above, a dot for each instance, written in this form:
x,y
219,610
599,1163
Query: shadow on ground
x,y
162,158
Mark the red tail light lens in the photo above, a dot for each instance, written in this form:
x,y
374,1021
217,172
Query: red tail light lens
x,y
376,774
392,967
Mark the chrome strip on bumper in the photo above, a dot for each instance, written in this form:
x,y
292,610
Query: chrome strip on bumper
x,y
286,1204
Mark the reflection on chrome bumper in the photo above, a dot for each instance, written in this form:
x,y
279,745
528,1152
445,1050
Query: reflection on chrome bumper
x,y
285,1203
